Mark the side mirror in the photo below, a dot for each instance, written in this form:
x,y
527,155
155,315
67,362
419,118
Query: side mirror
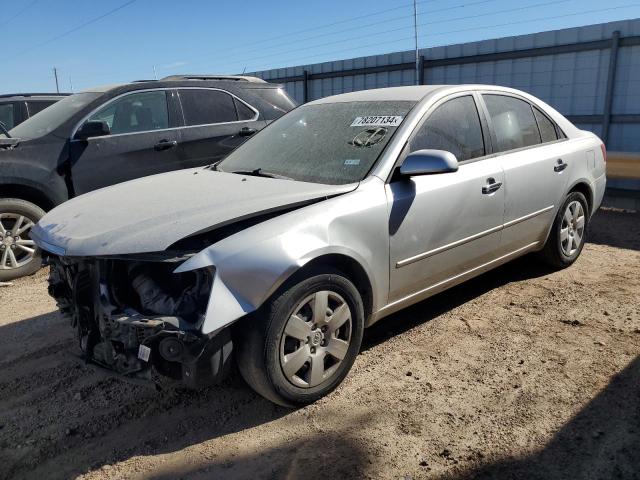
x,y
93,128
427,162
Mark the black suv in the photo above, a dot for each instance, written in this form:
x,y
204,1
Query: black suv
x,y
15,108
108,135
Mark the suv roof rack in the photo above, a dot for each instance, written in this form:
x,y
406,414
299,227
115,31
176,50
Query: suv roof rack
x,y
233,78
7,95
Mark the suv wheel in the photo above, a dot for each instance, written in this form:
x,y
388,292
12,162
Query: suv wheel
x,y
19,255
568,233
304,342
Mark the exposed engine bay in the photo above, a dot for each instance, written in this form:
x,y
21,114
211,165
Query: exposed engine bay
x,y
135,316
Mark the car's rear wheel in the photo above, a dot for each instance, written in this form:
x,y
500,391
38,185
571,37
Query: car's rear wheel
x,y
302,344
568,233
19,255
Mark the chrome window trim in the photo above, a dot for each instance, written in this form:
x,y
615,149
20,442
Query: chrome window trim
x,y
108,102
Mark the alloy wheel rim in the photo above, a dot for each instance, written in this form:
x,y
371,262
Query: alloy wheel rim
x,y
572,228
16,248
316,339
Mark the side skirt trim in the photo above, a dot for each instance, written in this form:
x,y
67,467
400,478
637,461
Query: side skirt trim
x,y
457,243
424,292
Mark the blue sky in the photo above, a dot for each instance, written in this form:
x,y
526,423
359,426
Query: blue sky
x,y
228,37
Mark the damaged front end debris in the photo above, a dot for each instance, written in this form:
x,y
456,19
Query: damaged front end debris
x,y
135,316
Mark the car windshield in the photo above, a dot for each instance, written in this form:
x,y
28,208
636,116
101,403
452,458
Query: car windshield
x,y
51,118
331,143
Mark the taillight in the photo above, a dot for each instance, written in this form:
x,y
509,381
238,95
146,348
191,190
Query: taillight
x,y
604,152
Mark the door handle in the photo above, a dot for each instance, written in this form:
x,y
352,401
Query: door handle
x,y
560,166
246,131
491,186
165,145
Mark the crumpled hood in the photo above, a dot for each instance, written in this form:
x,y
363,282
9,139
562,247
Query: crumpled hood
x,y
152,213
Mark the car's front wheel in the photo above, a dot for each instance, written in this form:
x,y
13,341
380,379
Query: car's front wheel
x,y
19,255
568,233
304,341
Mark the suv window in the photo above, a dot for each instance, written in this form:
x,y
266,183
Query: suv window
x,y
136,112
37,107
547,127
454,127
513,122
204,107
244,112
7,116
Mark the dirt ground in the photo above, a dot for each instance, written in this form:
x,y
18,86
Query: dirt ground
x,y
521,373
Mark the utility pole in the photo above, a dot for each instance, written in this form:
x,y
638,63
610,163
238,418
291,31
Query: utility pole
x,y
70,84
415,32
55,74
155,75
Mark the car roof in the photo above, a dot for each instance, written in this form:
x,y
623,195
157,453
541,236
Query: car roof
x,y
32,96
211,81
413,93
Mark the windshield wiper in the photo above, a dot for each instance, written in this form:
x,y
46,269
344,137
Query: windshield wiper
x,y
259,172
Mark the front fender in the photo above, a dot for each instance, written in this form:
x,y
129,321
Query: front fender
x,y
252,264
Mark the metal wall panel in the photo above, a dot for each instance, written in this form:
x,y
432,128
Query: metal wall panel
x,y
571,73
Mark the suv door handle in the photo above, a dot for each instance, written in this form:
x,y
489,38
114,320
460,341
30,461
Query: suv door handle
x,y
165,145
246,131
560,166
491,186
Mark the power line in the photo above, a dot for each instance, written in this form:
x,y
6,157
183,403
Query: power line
x,y
537,19
20,12
351,29
261,42
458,31
76,28
425,24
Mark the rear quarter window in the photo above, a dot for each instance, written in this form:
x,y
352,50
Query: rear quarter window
x,y
277,100
547,127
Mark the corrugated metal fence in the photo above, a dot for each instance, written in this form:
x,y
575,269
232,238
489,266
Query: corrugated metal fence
x,y
591,74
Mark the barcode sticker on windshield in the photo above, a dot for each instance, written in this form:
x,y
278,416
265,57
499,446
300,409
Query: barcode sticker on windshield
x,y
377,121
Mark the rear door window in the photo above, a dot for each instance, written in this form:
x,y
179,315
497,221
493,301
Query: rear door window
x,y
513,122
547,127
136,112
7,115
454,127
205,107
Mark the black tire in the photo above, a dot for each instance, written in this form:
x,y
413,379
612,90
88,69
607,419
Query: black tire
x,y
260,335
552,252
33,213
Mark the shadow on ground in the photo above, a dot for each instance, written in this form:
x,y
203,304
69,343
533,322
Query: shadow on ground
x,y
601,442
611,227
59,419
521,269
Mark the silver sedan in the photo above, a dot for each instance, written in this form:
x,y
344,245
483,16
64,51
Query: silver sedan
x,y
341,212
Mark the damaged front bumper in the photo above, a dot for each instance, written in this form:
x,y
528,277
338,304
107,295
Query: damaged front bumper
x,y
136,316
